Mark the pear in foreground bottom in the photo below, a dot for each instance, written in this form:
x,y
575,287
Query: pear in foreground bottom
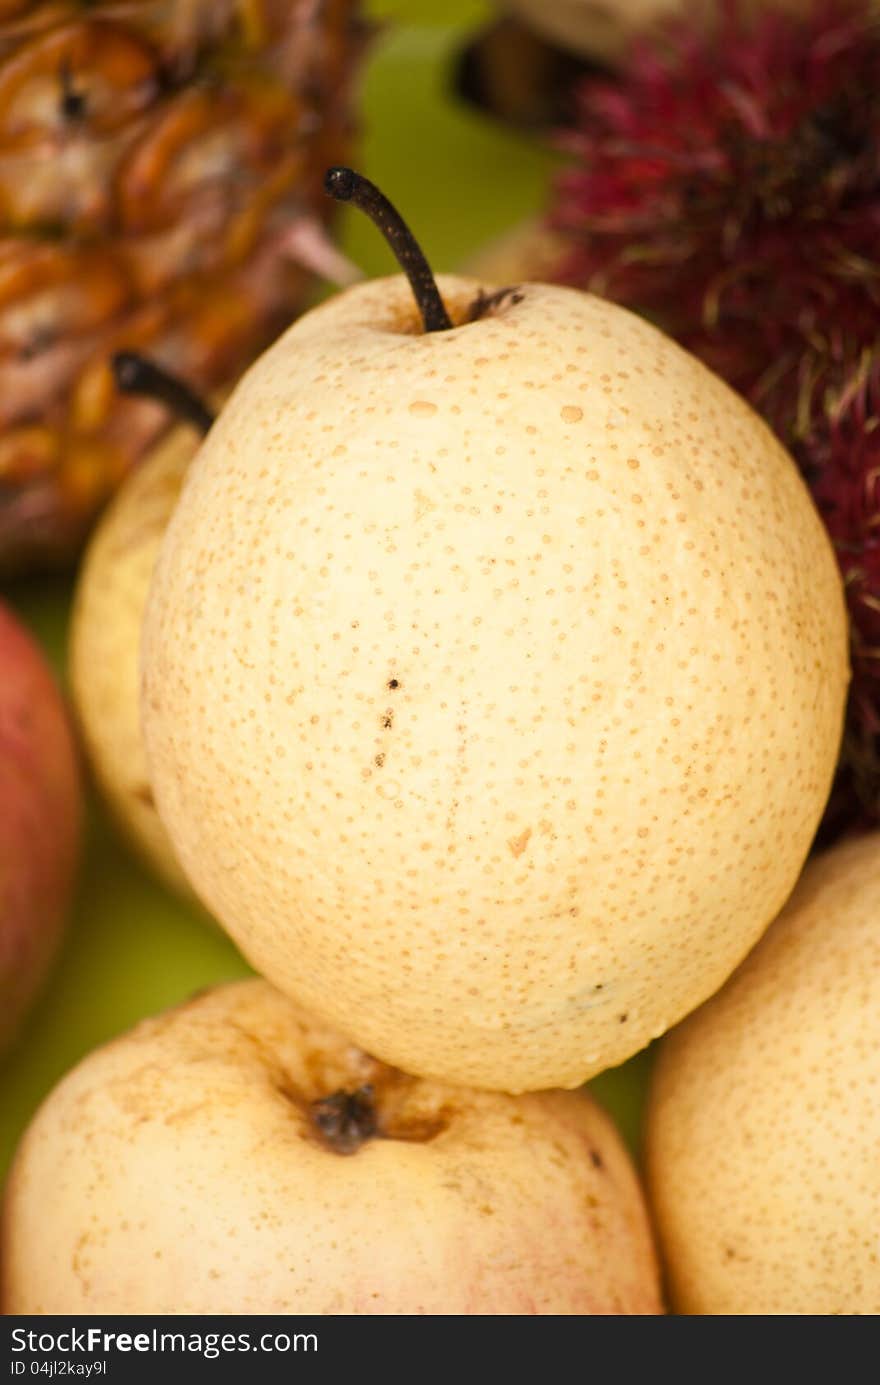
x,y
231,1156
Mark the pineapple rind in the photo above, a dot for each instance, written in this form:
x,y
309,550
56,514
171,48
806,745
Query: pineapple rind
x,y
154,156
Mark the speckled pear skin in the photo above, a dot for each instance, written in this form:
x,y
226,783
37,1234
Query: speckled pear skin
x,y
180,1171
104,649
763,1125
493,679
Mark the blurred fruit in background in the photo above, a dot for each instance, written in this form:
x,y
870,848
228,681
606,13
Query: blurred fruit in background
x,y
514,73
40,820
105,637
524,65
159,189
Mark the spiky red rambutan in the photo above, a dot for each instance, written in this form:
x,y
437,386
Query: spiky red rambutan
x,y
727,184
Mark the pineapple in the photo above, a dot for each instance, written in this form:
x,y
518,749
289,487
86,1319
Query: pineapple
x,y
160,172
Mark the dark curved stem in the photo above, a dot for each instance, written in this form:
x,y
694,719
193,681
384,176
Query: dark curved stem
x,y
347,186
136,374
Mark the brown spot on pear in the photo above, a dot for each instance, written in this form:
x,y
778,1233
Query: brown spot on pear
x,y
518,844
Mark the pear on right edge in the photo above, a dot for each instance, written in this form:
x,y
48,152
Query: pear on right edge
x,y
763,1123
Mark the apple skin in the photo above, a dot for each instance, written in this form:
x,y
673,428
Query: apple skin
x,y
180,1172
40,820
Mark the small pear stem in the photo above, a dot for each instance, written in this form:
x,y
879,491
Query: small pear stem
x,y
347,186
345,1120
136,374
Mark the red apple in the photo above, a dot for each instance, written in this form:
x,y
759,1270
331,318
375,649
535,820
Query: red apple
x,y
40,819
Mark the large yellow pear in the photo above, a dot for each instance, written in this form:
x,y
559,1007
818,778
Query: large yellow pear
x,y
763,1128
231,1156
493,678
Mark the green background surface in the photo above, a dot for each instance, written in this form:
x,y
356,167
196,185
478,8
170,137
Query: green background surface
x,y
132,948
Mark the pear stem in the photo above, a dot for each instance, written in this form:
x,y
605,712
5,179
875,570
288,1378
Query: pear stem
x,y
345,1120
347,186
136,374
